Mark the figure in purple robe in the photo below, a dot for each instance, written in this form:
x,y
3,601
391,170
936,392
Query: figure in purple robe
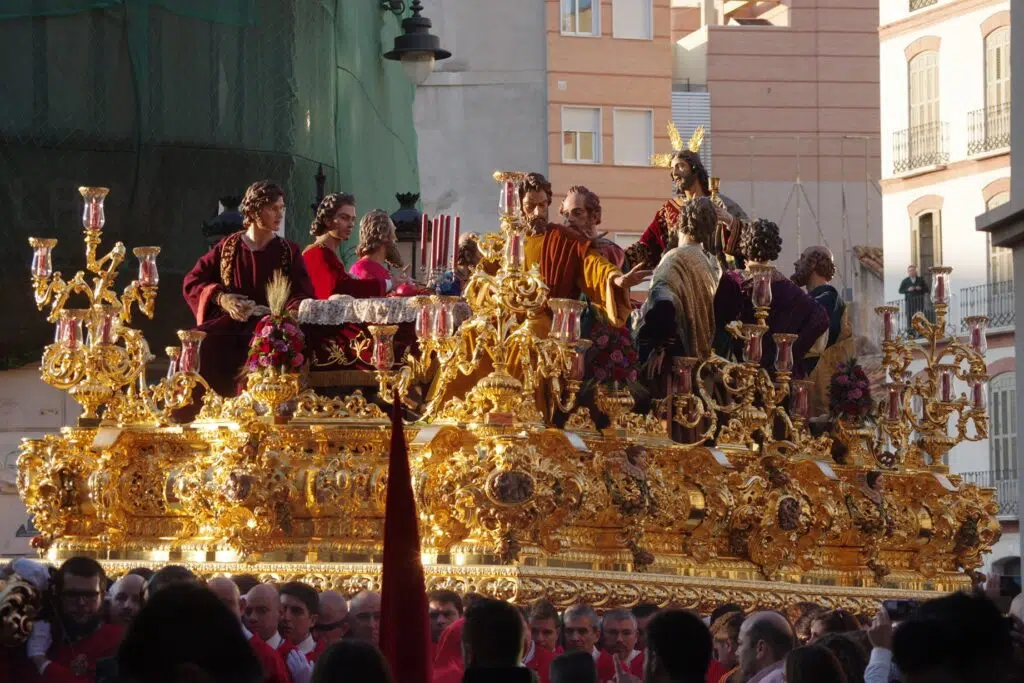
x,y
793,311
227,287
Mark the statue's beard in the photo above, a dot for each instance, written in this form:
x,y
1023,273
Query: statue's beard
x,y
680,183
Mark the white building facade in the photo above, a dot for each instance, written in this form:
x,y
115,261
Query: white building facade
x,y
945,105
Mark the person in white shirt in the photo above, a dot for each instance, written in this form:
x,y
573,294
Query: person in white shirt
x,y
765,640
263,613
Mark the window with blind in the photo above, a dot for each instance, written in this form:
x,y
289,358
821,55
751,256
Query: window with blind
x,y
633,136
997,67
924,89
1000,259
926,241
581,17
1003,435
632,19
581,135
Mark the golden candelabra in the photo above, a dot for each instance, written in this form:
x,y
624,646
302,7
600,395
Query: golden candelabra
x,y
918,409
112,355
509,305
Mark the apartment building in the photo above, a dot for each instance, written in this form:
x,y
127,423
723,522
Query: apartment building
x,y
946,126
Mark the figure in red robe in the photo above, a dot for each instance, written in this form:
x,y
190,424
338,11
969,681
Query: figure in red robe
x,y
228,284
332,225
377,240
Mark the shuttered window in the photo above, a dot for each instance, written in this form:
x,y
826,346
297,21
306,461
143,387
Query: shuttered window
x,y
633,136
632,19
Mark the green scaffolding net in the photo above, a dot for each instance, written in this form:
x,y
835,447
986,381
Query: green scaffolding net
x,y
175,103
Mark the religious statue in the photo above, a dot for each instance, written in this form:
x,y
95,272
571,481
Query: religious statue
x,y
378,244
793,311
581,210
332,226
227,288
689,179
678,318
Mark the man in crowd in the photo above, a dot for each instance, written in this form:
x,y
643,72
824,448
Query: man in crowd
x,y
263,612
492,644
332,625
126,598
764,641
643,613
300,608
620,653
445,608
725,632
581,630
69,648
274,670
678,648
364,613
545,626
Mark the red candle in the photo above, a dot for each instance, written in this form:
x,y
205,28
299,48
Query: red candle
x,y
895,403
94,214
455,242
801,403
979,395
946,384
940,290
888,331
685,379
447,238
423,240
435,234
976,337
510,197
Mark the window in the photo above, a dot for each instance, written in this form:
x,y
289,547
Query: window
x,y
924,89
581,17
997,67
632,19
1003,436
581,135
1000,259
634,137
926,242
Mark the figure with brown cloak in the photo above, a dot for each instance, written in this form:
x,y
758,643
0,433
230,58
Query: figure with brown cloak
x,y
227,288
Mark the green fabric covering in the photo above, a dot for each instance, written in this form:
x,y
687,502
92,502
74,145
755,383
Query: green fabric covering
x,y
174,103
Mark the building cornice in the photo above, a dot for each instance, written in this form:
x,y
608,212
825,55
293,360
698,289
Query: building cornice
x,y
922,19
956,169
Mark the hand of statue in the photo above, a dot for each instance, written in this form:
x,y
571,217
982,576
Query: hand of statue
x,y
654,363
880,632
399,277
634,277
236,306
723,214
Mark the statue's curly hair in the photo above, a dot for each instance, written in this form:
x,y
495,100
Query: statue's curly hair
x,y
534,182
259,195
814,260
591,202
374,231
329,206
761,241
697,219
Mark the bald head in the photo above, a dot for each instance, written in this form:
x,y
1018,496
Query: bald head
x,y
262,611
126,598
333,622
226,591
365,617
1017,606
765,638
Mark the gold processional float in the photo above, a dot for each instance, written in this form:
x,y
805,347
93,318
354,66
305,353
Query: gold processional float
x,y
755,511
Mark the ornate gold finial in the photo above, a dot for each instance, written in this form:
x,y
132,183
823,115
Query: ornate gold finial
x,y
676,140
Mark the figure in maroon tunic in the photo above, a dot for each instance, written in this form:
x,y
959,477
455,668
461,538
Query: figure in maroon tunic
x,y
793,311
226,289
335,218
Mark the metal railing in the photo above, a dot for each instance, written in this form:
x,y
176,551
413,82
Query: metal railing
x,y
920,147
988,128
910,305
921,4
994,300
1005,484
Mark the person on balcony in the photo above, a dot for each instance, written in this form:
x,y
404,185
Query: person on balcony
x,y
914,289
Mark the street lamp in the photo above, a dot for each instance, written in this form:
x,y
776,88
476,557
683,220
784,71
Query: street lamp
x,y
417,48
407,228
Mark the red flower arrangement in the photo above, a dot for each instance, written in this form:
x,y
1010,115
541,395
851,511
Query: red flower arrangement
x,y
277,343
849,393
612,357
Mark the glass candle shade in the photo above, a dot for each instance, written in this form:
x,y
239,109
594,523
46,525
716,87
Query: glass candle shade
x,y
424,317
801,403
383,355
191,341
566,319
784,351
579,360
895,407
103,324
149,276
173,358
93,216
977,327
946,385
42,256
941,282
979,395
761,292
752,345
444,316
684,374
507,200
557,318
69,328
887,322
514,250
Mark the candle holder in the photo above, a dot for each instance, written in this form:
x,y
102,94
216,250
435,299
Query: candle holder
x,y
976,332
688,408
566,319
115,354
940,285
761,292
383,353
784,352
149,276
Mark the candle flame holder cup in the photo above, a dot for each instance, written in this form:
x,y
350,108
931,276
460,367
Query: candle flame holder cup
x,y
383,353
149,276
977,332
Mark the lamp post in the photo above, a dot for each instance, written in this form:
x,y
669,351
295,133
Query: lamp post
x,y
407,227
417,48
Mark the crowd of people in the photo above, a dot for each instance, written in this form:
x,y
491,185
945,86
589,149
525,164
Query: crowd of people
x,y
170,626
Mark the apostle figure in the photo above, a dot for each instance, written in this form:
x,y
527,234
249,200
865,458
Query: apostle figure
x,y
332,226
581,210
569,266
815,271
228,285
678,318
689,179
792,311
378,243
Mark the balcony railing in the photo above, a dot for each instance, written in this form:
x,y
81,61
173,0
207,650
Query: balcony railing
x,y
921,4
1005,484
988,129
920,147
994,300
908,306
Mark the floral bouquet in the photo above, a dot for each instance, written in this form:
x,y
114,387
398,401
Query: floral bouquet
x,y
849,393
277,342
612,357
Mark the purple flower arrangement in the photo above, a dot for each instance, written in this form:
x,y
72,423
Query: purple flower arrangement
x,y
612,357
849,393
277,343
